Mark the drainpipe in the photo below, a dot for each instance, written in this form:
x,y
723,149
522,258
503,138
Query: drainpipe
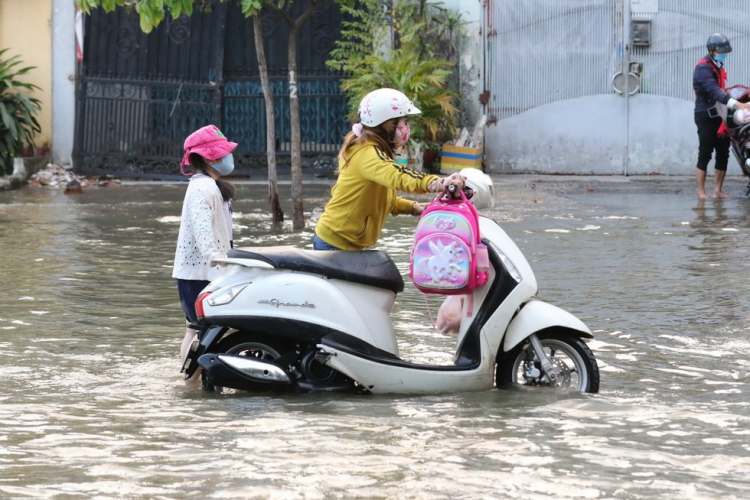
x,y
626,84
484,26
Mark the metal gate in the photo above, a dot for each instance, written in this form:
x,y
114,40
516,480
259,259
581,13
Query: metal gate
x,y
140,95
601,86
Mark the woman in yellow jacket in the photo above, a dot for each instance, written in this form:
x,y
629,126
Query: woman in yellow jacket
x,y
369,178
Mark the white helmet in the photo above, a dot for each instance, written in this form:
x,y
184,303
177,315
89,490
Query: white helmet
x,y
481,183
383,104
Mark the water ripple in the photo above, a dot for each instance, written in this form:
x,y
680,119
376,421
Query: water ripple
x,y
93,405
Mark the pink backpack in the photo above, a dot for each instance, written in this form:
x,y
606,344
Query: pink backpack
x,y
448,256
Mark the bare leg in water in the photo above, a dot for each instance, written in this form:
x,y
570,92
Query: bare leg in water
x,y
700,177
719,184
190,336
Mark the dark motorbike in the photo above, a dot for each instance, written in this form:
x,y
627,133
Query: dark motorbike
x,y
738,125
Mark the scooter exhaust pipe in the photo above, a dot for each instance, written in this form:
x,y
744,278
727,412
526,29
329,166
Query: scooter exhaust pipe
x,y
241,372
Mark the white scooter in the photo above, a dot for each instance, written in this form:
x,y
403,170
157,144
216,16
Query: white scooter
x,y
283,318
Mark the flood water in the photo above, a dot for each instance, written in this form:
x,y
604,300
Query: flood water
x,y
92,404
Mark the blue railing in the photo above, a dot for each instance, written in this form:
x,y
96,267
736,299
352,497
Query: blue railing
x,y
323,110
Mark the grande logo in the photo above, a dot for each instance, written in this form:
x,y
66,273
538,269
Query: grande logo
x,y
278,303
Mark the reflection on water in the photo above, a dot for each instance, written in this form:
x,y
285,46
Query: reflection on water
x,y
93,406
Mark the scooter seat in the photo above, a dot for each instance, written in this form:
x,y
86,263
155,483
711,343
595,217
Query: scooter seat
x,y
368,267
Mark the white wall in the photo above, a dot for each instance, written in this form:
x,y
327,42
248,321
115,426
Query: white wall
x,y
663,136
553,110
589,136
63,80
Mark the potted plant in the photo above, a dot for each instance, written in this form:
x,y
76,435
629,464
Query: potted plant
x,y
44,150
18,111
431,154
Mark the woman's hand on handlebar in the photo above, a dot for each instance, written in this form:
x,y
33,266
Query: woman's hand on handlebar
x,y
441,184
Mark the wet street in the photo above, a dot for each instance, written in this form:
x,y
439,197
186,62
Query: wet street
x,y
92,404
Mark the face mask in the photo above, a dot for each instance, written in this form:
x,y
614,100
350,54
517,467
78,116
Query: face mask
x,y
402,135
226,166
721,58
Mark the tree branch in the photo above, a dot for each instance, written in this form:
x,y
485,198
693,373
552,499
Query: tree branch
x,y
286,17
314,5
294,23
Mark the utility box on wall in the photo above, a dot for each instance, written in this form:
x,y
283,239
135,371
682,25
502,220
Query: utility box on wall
x,y
640,32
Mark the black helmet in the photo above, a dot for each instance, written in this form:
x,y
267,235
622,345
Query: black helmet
x,y
719,43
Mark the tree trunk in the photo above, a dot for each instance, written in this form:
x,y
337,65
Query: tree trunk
x,y
298,215
273,183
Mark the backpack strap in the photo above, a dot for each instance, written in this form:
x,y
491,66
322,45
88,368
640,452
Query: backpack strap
x,y
721,75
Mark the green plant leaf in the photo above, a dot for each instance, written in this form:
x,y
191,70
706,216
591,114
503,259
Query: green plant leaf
x,y
417,64
250,7
176,10
7,119
18,123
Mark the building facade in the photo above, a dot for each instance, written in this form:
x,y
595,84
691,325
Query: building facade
x,y
600,86
574,86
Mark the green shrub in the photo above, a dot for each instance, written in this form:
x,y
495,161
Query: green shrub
x,y
417,62
18,122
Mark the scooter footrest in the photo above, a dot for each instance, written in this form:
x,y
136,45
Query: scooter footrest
x,y
352,345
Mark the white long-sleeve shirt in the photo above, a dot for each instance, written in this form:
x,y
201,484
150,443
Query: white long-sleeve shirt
x,y
204,231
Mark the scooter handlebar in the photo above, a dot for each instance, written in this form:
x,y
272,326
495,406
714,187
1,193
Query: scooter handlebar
x,y
468,192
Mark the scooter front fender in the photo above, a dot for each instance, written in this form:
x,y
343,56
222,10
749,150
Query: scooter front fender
x,y
536,316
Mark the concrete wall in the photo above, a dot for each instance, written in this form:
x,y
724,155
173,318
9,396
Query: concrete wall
x,y
554,110
25,31
63,80
588,135
663,137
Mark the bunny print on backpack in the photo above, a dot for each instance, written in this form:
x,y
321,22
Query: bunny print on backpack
x,y
448,263
447,248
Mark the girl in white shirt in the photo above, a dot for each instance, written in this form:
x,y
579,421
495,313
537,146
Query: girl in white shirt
x,y
206,221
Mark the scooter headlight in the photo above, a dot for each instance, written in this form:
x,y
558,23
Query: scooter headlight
x,y
226,296
514,273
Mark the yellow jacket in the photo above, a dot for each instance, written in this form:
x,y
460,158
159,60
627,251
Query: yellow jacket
x,y
364,195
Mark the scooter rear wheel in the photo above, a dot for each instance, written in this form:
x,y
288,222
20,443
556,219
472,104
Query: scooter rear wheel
x,y
578,367
254,345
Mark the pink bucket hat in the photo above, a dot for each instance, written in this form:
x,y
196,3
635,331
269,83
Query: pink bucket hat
x,y
209,142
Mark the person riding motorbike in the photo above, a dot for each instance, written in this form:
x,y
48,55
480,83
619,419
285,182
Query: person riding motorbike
x,y
709,83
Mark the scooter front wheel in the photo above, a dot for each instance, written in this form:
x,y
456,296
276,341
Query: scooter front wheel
x,y
572,359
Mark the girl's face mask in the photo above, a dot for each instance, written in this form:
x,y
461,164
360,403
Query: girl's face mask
x,y
226,166
402,134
